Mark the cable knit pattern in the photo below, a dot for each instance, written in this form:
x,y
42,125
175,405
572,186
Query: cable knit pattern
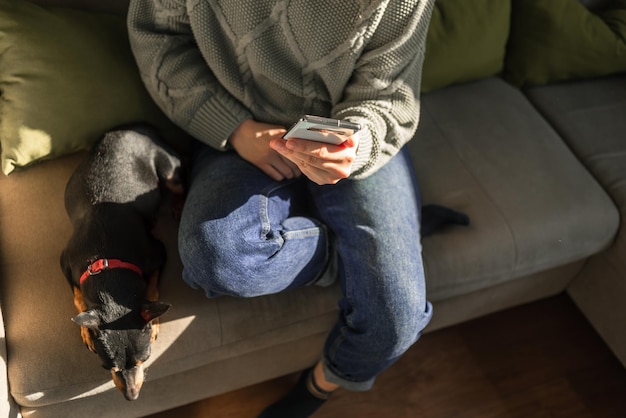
x,y
210,64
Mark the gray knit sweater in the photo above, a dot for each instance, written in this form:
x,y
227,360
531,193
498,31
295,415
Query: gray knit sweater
x,y
210,64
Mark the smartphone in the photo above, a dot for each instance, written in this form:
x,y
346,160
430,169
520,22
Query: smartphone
x,y
317,128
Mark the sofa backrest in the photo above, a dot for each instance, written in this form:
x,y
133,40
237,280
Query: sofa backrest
x,y
595,4
114,6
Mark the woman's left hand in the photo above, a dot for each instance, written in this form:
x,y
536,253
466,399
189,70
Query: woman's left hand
x,y
320,162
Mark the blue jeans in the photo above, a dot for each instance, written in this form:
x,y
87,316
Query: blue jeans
x,y
244,234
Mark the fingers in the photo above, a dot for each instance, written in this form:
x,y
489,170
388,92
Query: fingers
x,y
321,163
272,172
251,141
280,168
292,169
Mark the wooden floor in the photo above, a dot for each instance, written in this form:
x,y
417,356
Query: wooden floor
x,y
538,360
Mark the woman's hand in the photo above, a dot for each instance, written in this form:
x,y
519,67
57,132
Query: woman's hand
x,y
322,163
252,140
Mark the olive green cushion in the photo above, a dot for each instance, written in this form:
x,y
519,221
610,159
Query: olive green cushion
x,y
560,40
466,41
66,76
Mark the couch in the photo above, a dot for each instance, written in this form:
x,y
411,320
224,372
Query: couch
x,y
525,136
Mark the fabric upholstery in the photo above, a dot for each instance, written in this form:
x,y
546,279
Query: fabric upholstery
x,y
502,296
559,40
119,7
482,148
66,76
7,405
466,41
590,117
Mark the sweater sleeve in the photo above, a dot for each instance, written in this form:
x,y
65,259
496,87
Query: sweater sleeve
x,y
383,92
177,76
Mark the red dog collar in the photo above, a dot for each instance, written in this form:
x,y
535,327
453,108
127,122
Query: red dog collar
x,y
105,264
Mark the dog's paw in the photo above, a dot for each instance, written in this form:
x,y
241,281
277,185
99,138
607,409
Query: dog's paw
x,y
155,330
86,336
79,302
151,313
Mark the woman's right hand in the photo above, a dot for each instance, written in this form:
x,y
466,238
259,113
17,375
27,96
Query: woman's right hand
x,y
251,140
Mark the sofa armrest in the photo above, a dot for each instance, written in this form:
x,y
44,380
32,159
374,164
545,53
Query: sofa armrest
x,y
7,405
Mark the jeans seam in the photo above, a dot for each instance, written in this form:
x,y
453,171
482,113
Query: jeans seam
x,y
264,198
263,216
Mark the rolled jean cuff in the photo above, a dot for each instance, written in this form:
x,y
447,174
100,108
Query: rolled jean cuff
x,y
332,377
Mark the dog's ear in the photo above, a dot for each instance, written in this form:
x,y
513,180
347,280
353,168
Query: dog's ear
x,y
88,319
152,310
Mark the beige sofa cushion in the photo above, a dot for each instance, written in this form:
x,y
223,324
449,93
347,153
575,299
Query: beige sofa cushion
x,y
482,147
590,116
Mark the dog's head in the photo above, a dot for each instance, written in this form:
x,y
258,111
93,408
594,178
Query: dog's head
x,y
122,341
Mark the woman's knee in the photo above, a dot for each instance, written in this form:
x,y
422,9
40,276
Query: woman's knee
x,y
217,263
395,331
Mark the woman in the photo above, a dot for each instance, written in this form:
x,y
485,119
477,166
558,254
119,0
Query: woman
x,y
264,214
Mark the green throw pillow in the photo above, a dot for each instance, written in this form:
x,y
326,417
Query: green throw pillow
x,y
66,77
466,41
560,40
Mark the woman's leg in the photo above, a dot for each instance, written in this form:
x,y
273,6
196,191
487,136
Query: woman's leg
x,y
384,308
243,234
375,222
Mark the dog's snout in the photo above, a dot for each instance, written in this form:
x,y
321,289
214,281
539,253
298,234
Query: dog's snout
x,y
129,382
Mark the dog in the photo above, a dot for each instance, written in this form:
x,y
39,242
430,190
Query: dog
x,y
111,261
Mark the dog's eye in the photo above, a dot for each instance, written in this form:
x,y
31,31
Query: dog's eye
x,y
107,364
143,355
